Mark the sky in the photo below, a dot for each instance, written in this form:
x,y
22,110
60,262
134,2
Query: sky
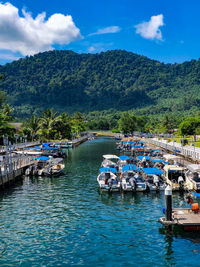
x,y
167,30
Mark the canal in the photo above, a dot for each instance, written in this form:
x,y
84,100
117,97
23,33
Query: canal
x,y
66,221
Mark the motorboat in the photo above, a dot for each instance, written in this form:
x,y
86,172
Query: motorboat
x,y
144,161
108,180
175,177
192,176
153,177
131,179
124,160
108,161
54,168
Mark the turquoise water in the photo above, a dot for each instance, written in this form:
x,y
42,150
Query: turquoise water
x,y
65,221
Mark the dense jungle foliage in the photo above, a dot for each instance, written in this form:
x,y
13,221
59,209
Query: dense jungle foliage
x,y
119,80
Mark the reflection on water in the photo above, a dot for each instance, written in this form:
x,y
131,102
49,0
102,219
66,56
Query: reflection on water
x,y
67,221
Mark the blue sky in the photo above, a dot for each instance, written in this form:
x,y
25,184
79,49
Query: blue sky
x,y
168,31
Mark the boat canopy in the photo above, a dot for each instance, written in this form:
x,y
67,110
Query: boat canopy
x,y
155,171
33,147
43,158
130,167
107,169
162,161
195,194
146,157
137,146
124,157
193,167
109,156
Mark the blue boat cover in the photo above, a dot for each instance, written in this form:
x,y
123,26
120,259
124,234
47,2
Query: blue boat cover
x,y
146,157
45,144
43,158
114,170
138,146
130,167
195,194
162,161
154,150
155,171
125,157
50,148
33,147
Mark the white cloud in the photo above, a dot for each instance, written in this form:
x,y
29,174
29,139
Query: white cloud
x,y
150,29
29,36
111,29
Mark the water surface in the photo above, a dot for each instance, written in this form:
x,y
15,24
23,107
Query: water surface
x,y
66,221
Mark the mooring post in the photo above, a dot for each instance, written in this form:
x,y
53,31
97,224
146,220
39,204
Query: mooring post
x,y
168,203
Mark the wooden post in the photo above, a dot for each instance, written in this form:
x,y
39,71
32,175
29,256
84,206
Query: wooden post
x,y
168,203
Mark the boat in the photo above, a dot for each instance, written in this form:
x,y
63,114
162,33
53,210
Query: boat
x,y
107,161
192,176
108,180
124,160
131,179
175,177
144,161
54,168
153,177
46,166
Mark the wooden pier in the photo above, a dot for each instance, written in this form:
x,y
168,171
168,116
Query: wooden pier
x,y
76,142
186,218
13,167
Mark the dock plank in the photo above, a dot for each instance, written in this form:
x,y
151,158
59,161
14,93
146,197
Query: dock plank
x,y
186,217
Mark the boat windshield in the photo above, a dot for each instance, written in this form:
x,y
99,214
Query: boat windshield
x,y
174,174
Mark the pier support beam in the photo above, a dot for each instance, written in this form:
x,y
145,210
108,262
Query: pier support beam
x,y
168,203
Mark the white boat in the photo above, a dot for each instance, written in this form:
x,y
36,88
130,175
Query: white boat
x,y
192,176
108,163
131,179
108,180
153,177
55,167
175,177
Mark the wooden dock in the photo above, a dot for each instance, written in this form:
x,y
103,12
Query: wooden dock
x,y
13,167
185,218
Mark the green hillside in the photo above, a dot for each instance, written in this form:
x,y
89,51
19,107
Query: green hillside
x,y
115,79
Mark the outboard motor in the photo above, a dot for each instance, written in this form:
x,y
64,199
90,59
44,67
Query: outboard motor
x,y
156,182
181,182
110,183
133,183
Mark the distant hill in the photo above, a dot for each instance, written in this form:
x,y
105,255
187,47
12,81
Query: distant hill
x,y
114,79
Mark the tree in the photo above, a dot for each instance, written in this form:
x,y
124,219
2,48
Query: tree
x,y
127,123
48,123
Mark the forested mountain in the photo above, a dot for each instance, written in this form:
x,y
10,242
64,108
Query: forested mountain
x,y
116,79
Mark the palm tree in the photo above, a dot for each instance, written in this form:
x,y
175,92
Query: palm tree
x,y
48,123
33,126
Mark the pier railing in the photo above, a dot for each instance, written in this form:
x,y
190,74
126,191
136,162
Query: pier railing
x,y
187,151
3,149
13,166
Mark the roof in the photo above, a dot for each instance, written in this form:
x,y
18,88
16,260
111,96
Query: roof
x,y
173,168
193,167
130,167
155,171
114,170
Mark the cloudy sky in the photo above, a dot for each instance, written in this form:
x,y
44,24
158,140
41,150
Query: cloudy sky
x,y
168,30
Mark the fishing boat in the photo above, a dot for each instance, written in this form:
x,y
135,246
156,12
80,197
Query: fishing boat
x,y
192,176
175,177
131,179
153,177
108,180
